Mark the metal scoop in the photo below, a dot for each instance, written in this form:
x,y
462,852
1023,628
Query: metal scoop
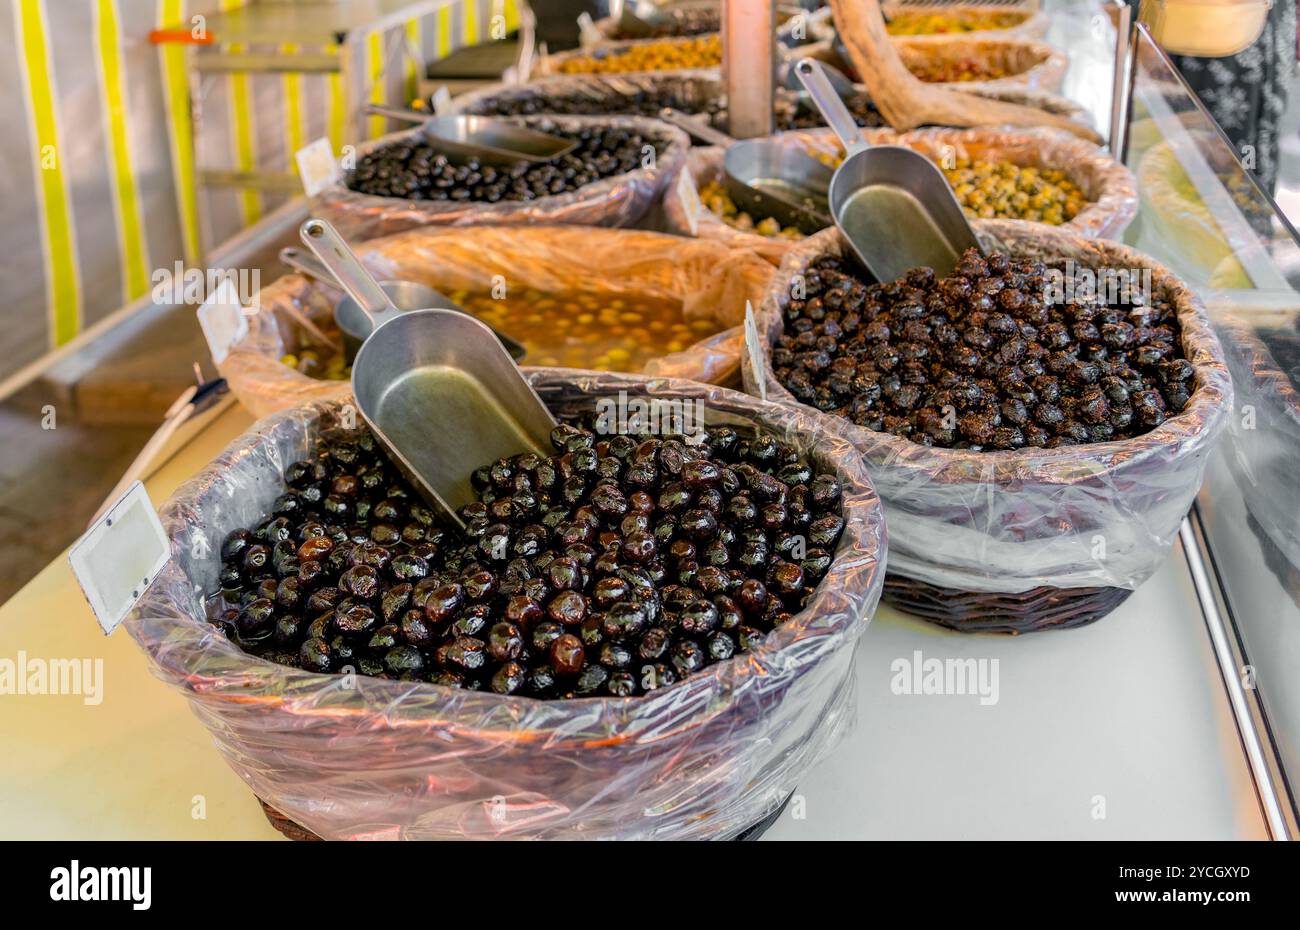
x,y
405,295
893,205
840,82
436,388
644,21
492,141
768,177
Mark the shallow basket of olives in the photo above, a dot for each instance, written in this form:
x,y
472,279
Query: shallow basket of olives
x,y
610,299
969,63
623,644
969,20
1036,441
702,52
402,181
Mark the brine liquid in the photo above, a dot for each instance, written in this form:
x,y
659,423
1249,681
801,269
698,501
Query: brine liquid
x,y
580,329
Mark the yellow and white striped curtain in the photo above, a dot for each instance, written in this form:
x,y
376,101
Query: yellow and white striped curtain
x,y
99,143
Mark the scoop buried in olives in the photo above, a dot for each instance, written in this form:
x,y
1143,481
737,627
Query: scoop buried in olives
x,y
638,561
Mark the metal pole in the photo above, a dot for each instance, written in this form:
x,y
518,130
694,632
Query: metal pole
x,y
1272,795
749,65
1122,85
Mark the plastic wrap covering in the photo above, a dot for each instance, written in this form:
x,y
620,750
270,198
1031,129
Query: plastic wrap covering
x,y
1263,443
711,281
1025,63
1028,65
1102,514
707,757
616,201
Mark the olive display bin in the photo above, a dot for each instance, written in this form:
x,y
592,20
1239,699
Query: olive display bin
x,y
1034,538
708,757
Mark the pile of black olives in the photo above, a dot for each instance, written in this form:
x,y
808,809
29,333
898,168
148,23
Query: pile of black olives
x,y
616,566
790,112
416,170
803,115
641,102
982,360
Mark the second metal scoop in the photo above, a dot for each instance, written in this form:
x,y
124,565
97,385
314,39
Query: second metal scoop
x,y
492,141
893,205
768,177
435,386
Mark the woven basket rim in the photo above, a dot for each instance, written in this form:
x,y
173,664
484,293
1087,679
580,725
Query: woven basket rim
x,y
864,537
1065,465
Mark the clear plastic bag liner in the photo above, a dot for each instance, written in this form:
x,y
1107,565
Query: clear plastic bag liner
x,y
710,280
1102,514
1028,64
705,758
616,201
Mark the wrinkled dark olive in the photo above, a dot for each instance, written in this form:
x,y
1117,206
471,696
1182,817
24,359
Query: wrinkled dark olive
x,y
567,654
315,656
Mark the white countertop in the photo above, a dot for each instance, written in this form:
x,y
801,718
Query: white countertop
x,y
1129,710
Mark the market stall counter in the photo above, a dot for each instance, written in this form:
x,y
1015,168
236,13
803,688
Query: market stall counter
x,y
1120,730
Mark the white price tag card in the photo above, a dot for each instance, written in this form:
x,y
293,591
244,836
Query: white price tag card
x,y
223,320
689,198
120,556
754,347
317,166
442,100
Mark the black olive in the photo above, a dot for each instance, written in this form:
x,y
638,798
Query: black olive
x,y
315,656
624,620
567,654
256,621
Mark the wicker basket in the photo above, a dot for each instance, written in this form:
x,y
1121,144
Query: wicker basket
x,y
999,541
1029,611
301,834
709,757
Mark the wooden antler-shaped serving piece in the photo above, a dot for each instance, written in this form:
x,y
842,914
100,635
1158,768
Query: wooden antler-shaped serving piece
x,y
907,102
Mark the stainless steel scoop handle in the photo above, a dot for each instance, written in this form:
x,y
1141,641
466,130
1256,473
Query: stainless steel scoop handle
x,y
324,240
307,264
697,128
813,77
402,114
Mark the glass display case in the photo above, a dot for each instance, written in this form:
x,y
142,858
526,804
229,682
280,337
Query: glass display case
x,y
1208,219
1205,216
